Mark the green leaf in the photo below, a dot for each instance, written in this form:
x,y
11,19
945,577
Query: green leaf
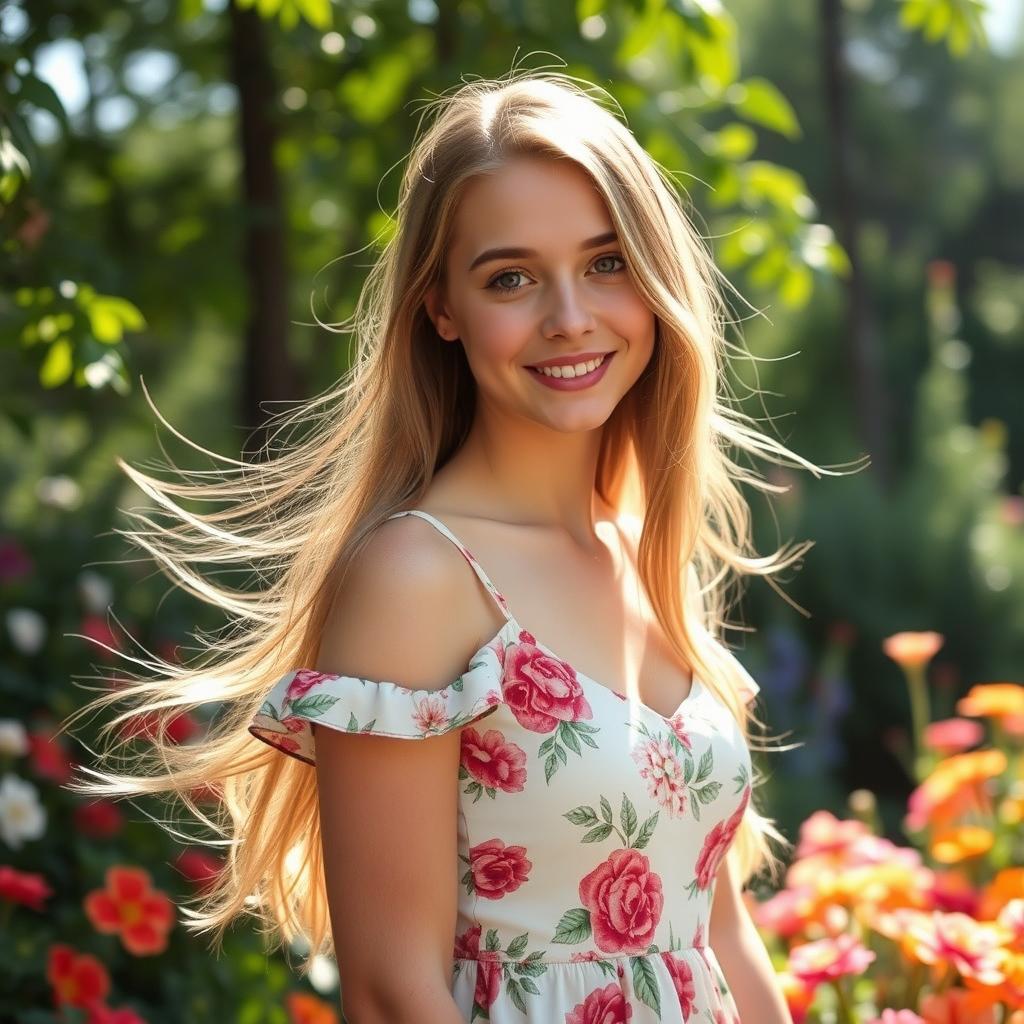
x,y
57,365
574,926
40,94
759,100
316,12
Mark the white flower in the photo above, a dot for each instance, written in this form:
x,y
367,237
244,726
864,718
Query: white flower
x,y
13,738
27,629
96,591
22,816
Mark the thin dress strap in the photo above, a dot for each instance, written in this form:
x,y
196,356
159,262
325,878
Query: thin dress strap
x,y
466,553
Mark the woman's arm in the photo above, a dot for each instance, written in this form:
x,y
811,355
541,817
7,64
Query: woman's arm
x,y
740,950
388,805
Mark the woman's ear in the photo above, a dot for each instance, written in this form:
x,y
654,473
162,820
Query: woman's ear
x,y
433,300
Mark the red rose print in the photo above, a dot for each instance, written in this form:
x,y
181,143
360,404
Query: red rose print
x,y
625,901
488,966
468,943
488,978
304,681
603,1006
498,869
542,690
682,978
717,844
493,761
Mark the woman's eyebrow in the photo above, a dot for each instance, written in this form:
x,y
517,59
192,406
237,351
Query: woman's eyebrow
x,y
518,253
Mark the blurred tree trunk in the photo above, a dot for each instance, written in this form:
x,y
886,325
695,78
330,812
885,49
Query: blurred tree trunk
x,y
861,338
267,371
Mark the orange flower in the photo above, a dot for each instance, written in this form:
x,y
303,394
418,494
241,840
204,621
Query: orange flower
x,y
954,787
1006,886
911,650
304,1008
131,908
78,979
960,842
957,1006
797,995
992,700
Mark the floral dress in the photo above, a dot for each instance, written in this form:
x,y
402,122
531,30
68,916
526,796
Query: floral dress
x,y
591,827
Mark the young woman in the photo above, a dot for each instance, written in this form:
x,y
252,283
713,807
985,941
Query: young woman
x,y
485,624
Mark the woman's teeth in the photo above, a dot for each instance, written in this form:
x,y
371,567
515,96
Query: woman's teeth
x,y
570,371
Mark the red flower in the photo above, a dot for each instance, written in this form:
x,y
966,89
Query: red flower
x,y
97,629
131,908
98,819
498,869
20,887
603,1006
625,901
542,690
78,979
49,758
100,1014
146,724
199,867
493,761
682,977
488,966
717,843
304,681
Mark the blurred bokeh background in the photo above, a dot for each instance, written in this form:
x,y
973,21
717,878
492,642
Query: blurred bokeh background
x,y
183,185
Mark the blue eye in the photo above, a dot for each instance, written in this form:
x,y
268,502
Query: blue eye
x,y
511,271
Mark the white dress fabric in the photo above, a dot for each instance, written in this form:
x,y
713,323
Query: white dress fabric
x,y
591,828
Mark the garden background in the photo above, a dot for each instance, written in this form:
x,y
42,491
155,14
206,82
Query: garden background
x,y
182,186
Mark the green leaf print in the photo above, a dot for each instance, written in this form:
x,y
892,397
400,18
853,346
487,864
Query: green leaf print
x,y
314,705
606,810
602,831
491,943
574,927
269,710
705,767
518,945
645,982
515,993
741,778
581,816
533,965
706,794
628,816
570,734
687,769
644,836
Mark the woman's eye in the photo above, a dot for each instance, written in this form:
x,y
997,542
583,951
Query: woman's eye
x,y
511,272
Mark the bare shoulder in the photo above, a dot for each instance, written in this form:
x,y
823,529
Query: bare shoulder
x,y
409,609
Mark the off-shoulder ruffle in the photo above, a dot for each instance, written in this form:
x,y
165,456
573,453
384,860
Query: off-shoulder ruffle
x,y
352,704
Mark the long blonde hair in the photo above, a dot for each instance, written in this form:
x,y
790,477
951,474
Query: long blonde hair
x,y
370,446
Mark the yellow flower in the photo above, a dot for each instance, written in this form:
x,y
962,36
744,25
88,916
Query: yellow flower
x,y
993,700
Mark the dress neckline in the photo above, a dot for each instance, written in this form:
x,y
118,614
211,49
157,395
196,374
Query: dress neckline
x,y
695,683
510,620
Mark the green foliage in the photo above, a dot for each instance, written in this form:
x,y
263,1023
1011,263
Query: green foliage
x,y
957,21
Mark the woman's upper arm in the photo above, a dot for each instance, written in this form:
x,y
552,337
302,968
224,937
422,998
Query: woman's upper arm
x,y
389,805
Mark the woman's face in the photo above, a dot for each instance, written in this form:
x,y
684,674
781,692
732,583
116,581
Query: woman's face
x,y
535,274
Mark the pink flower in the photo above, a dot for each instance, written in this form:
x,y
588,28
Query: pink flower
x,y
605,1005
488,966
498,869
625,900
493,761
814,963
897,1017
663,774
540,689
431,714
953,735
